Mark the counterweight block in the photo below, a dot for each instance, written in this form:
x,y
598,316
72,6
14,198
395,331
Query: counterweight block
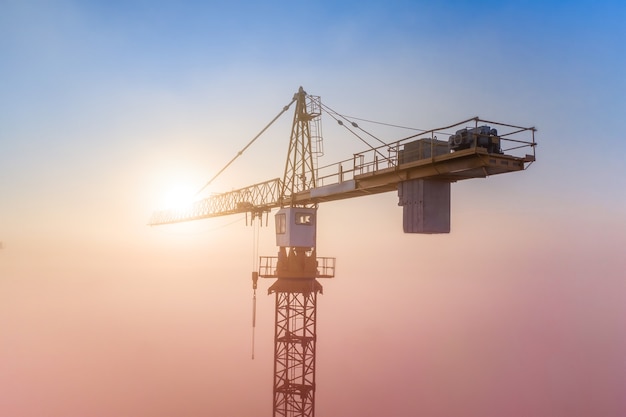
x,y
425,206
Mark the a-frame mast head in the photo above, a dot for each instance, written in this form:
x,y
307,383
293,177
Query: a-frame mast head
x,y
299,172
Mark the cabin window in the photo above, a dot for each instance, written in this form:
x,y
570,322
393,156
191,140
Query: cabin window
x,y
281,224
304,218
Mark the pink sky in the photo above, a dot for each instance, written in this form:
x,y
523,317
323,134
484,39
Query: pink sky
x,y
164,328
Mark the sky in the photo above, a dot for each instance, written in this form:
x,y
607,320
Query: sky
x,y
107,109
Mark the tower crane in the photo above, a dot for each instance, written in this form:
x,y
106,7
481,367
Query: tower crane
x,y
420,168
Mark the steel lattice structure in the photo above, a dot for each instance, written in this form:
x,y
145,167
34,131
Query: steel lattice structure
x,y
299,172
255,198
294,347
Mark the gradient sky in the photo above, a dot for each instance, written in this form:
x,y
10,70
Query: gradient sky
x,y
105,107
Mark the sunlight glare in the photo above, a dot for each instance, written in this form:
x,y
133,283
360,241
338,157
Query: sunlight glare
x,y
179,197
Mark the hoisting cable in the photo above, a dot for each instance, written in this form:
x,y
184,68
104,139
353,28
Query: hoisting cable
x,y
384,124
248,145
348,118
439,130
332,114
255,268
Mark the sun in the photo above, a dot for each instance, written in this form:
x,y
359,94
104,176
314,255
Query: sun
x,y
179,196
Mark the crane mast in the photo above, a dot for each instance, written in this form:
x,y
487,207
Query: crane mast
x,y
420,168
296,272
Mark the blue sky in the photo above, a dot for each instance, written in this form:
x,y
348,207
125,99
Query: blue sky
x,y
104,106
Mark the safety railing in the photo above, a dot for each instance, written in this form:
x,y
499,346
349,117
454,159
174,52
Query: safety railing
x,y
268,267
514,141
